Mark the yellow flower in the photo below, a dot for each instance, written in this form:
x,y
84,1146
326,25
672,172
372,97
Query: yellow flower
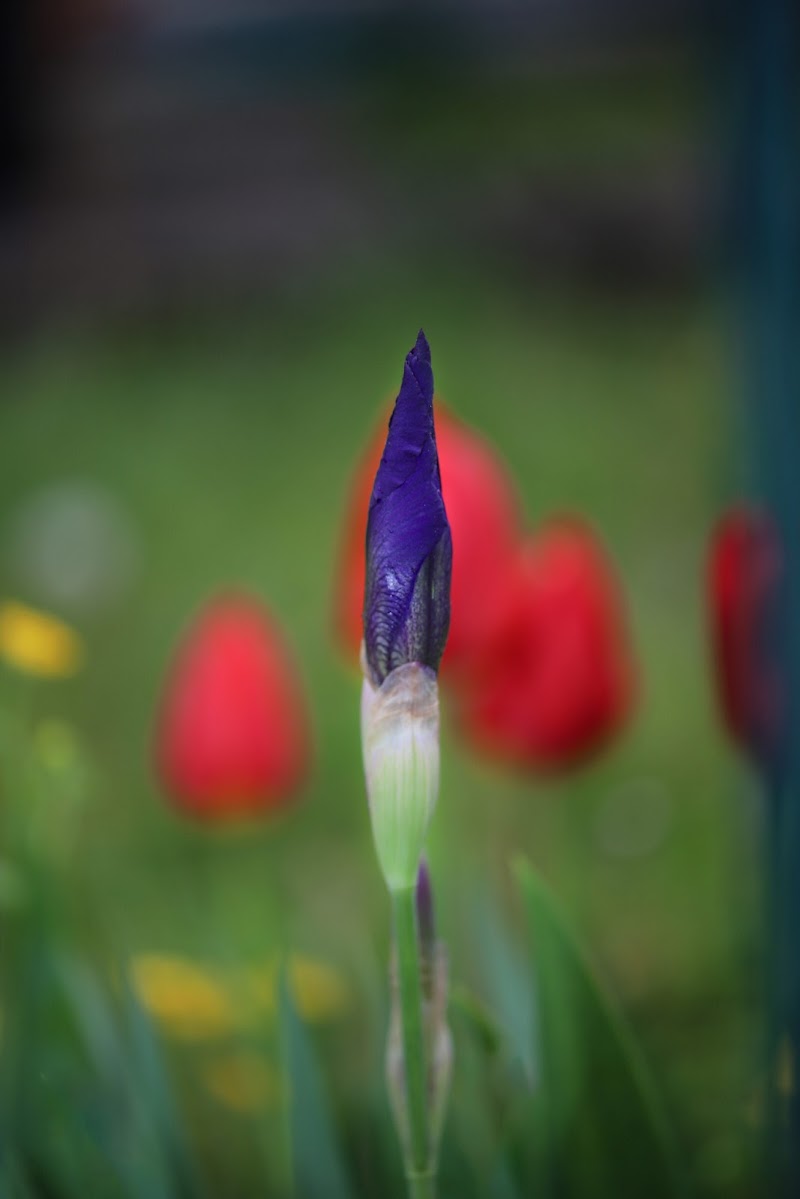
x,y
37,643
243,1081
319,991
189,1002
193,1004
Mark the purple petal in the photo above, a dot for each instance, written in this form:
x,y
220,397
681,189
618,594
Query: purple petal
x,y
409,549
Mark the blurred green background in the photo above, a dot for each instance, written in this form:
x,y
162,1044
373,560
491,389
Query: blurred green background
x,y
224,424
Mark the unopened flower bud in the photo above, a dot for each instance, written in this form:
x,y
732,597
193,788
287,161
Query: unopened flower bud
x,y
409,549
400,740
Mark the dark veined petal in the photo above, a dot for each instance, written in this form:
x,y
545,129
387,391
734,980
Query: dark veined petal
x,y
409,548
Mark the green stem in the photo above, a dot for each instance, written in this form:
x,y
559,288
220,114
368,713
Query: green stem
x,y
421,1186
421,1183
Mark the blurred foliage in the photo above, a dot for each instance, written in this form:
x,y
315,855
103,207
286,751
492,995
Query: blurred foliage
x,y
601,1119
228,445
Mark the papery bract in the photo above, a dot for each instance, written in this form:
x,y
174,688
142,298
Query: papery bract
x,y
746,574
232,734
408,545
400,742
483,512
554,678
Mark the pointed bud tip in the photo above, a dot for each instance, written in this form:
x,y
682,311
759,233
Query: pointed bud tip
x,y
421,348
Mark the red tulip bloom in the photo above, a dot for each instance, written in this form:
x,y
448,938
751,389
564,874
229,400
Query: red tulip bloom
x,y
232,735
745,577
483,513
554,678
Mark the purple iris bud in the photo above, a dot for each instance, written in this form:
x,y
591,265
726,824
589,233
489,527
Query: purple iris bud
x,y
409,548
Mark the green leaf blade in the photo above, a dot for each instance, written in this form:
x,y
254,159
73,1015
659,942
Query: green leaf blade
x,y
602,1121
317,1166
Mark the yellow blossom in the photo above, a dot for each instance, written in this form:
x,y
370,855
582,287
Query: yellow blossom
x,y
319,991
37,643
243,1081
188,1001
192,1003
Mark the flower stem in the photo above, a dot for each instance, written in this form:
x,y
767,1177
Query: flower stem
x,y
421,1186
419,1168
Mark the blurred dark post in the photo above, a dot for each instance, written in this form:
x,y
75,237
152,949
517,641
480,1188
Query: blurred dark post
x,y
20,100
36,37
769,248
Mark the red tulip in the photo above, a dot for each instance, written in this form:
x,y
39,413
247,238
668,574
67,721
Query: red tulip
x,y
232,734
554,678
483,512
745,578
